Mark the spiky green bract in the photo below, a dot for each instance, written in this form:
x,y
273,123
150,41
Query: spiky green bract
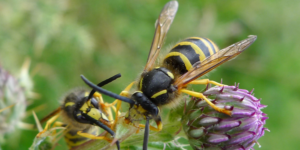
x,y
131,136
42,143
209,129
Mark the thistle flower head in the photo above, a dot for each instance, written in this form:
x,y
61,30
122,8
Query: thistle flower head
x,y
207,128
11,93
13,101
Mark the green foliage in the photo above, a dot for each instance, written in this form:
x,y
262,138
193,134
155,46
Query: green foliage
x,y
101,38
42,143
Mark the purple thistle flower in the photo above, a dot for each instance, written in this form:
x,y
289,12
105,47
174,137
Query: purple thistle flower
x,y
209,129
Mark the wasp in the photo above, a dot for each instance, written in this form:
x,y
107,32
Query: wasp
x,y
163,84
82,112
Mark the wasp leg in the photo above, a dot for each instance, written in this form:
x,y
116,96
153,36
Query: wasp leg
x,y
158,124
101,125
124,93
57,124
200,95
49,122
106,107
206,81
94,137
93,93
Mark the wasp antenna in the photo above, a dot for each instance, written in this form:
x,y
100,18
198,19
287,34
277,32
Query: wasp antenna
x,y
105,92
146,135
104,83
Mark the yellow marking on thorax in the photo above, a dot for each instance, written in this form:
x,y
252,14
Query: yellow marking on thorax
x,y
185,60
141,83
69,104
159,93
195,48
170,74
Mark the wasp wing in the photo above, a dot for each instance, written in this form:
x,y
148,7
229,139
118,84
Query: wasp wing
x,y
53,113
163,23
210,63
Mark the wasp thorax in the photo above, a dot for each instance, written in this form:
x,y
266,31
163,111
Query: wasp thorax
x,y
156,84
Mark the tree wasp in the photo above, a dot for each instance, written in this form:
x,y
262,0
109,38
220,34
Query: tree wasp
x,y
161,85
82,112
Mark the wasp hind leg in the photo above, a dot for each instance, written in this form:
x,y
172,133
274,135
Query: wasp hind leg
x,y
200,95
94,137
206,81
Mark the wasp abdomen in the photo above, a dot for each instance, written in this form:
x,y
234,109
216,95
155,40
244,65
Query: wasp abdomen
x,y
189,51
73,139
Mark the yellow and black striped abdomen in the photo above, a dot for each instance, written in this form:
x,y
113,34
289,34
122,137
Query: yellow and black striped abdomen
x,y
73,139
189,51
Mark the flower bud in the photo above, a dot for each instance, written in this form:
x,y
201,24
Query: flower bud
x,y
207,128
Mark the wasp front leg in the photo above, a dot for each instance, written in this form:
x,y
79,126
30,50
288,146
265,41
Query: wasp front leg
x,y
158,124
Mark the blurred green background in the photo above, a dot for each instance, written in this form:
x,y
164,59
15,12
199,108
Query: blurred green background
x,y
65,38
